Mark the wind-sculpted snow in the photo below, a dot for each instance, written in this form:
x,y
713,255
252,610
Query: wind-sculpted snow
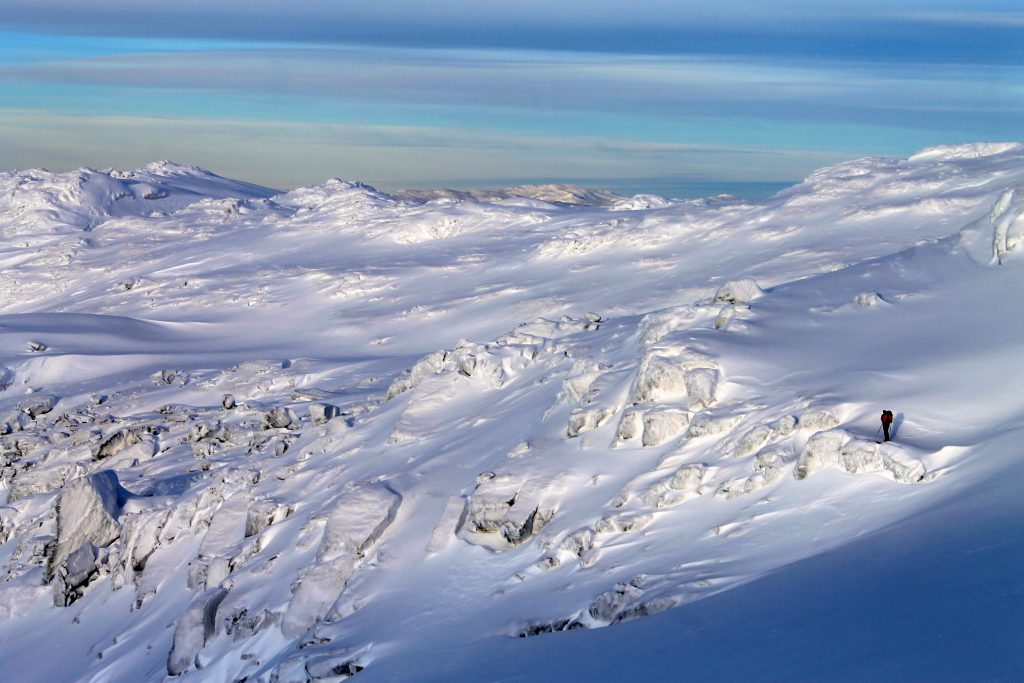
x,y
37,203
294,437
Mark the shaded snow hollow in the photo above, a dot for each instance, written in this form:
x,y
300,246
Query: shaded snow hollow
x,y
247,435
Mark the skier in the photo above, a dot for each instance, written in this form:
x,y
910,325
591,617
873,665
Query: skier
x,y
886,422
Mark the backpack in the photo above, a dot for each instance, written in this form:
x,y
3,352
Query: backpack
x,y
886,416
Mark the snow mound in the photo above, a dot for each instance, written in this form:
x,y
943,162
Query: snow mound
x,y
977,150
357,521
990,239
838,448
38,202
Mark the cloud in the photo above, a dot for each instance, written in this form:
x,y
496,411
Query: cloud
x,y
484,77
869,29
568,94
413,12
965,17
664,90
286,154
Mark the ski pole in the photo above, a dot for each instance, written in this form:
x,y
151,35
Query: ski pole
x,y
878,432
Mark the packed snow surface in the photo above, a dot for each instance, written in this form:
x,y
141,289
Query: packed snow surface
x,y
304,436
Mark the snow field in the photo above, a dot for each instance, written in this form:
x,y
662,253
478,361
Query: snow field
x,y
291,437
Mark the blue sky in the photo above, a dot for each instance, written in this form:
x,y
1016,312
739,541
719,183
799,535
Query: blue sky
x,y
677,98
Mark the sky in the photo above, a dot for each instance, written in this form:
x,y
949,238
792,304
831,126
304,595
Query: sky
x,y
681,99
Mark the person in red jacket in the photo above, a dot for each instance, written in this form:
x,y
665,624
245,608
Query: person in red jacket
x,y
886,422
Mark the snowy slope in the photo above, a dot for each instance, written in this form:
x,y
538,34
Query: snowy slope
x,y
290,437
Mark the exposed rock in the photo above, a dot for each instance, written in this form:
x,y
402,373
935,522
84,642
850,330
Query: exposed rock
x,y
837,448
38,406
8,524
75,571
549,627
332,667
738,292
753,440
193,630
821,451
358,519
659,378
785,425
860,456
585,419
608,605
682,485
6,378
262,514
241,625
166,376
141,534
622,523
119,441
705,424
687,477
227,525
725,316
42,480
579,544
474,361
868,299
631,425
576,387
322,413
280,418
664,424
176,413
426,366
770,466
818,420
13,421
14,448
452,519
644,609
903,468
733,488
505,511
198,432
701,386
87,511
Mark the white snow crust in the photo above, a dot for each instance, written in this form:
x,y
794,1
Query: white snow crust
x,y
303,436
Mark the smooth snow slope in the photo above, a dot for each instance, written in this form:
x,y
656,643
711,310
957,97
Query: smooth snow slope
x,y
347,432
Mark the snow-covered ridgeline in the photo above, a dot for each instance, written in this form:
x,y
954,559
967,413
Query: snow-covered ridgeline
x,y
233,449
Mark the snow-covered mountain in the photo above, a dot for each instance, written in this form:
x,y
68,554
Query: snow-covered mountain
x,y
264,436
